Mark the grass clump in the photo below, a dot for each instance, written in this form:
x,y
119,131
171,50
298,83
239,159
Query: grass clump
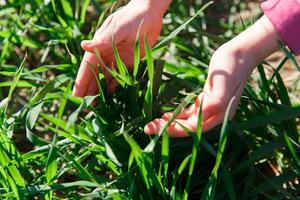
x,y
51,149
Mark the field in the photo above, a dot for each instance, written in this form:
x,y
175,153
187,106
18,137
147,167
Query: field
x,y
52,148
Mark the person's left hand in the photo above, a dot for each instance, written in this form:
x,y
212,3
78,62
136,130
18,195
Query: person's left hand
x,y
229,69
225,80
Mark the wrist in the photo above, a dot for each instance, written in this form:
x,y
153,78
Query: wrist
x,y
243,57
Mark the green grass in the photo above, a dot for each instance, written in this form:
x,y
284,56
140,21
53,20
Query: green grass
x,y
51,149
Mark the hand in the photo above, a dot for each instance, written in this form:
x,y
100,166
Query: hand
x,y
122,26
220,87
229,69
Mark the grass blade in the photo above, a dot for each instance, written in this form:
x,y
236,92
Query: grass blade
x,y
183,26
137,53
147,108
210,188
197,139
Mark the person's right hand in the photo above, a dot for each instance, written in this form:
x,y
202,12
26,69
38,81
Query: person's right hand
x,y
122,27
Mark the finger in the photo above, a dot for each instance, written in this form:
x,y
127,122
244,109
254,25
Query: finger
x,y
107,76
186,113
153,36
213,121
85,75
126,51
103,27
126,54
212,118
177,128
110,82
167,115
112,86
218,118
154,126
213,113
213,104
217,92
103,40
92,88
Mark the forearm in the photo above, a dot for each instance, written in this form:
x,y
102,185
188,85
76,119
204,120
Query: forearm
x,y
238,57
257,42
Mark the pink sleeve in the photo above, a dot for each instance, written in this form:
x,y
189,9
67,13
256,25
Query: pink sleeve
x,y
285,16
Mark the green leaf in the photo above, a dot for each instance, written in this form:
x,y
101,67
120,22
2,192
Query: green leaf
x,y
263,120
150,147
121,66
137,53
183,26
228,183
15,81
67,8
86,102
210,188
148,101
37,189
289,55
83,12
50,86
197,139
31,119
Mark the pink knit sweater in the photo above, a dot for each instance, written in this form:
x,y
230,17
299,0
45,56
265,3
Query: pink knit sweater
x,y
285,16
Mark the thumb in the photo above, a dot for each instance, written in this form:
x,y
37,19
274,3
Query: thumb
x,y
103,40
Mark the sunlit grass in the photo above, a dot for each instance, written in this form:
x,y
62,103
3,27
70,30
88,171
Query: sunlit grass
x,y
50,148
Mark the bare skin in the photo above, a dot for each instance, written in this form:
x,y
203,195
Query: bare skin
x,y
122,26
229,68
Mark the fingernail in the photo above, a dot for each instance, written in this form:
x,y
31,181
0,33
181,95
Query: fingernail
x,y
146,129
86,42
